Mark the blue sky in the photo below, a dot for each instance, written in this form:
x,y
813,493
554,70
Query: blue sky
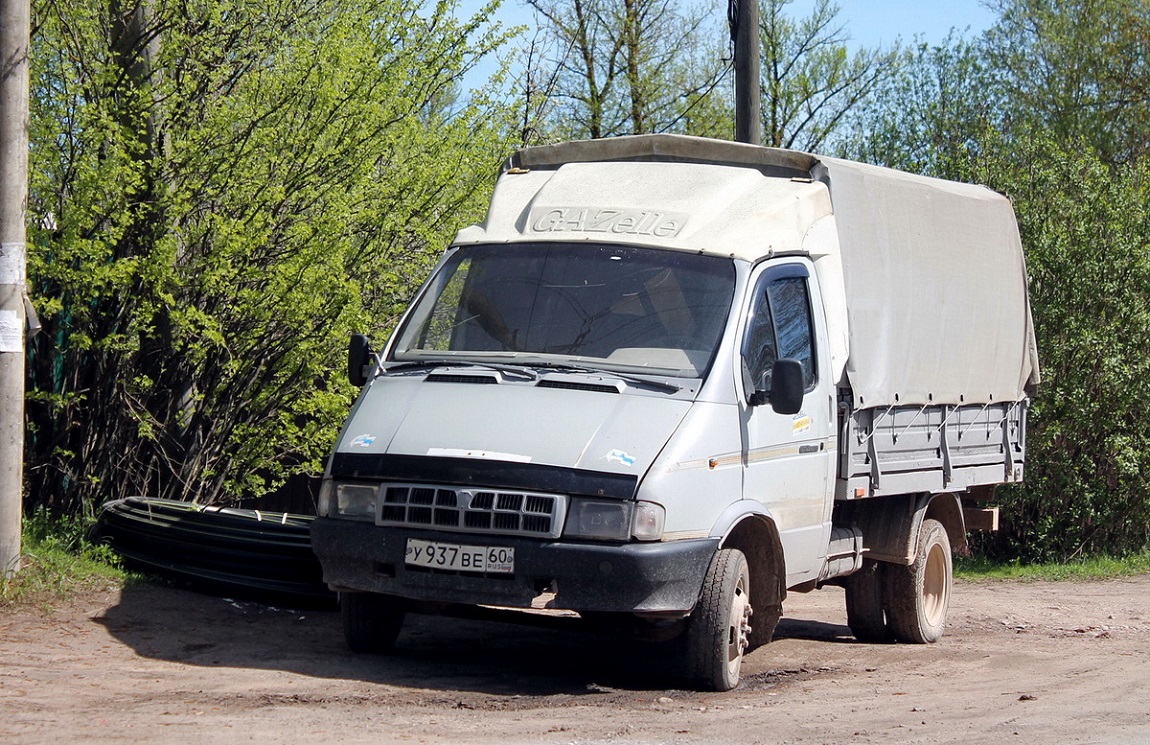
x,y
874,22
869,23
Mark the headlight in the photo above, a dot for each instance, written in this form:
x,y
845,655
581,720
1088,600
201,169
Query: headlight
x,y
354,501
604,521
614,521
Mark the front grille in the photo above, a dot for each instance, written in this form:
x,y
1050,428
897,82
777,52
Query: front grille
x,y
472,510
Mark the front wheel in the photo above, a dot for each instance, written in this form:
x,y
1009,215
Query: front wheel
x,y
371,622
719,629
918,596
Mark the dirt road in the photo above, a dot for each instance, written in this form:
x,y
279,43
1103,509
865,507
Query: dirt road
x,y
1028,663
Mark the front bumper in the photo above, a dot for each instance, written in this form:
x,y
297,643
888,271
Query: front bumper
x,y
631,577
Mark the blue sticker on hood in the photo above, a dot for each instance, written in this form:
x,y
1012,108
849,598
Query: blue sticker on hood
x,y
362,441
618,456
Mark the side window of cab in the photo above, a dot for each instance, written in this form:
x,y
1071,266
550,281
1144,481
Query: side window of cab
x,y
780,327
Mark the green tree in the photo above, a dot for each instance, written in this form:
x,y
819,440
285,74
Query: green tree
x,y
1086,228
1078,69
233,186
933,116
811,80
623,66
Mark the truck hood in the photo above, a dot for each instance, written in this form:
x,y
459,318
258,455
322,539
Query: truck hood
x,y
574,427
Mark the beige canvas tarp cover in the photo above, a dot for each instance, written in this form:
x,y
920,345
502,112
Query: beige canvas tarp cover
x,y
935,279
937,302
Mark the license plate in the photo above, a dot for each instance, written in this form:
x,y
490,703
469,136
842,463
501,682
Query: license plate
x,y
459,558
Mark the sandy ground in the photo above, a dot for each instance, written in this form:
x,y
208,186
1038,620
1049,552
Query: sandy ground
x,y
1031,663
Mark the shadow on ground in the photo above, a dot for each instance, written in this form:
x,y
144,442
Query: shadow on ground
x,y
446,654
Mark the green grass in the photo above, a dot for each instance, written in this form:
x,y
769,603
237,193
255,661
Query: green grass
x,y
1084,569
58,563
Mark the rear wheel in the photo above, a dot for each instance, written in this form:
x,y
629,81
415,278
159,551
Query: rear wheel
x,y
918,596
371,622
719,629
865,606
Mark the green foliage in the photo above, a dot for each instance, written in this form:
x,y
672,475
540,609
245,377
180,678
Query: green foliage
x,y
235,186
1078,69
58,562
614,67
224,190
1086,227
811,80
933,115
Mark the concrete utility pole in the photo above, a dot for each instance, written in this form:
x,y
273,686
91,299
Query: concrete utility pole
x,y
15,31
748,101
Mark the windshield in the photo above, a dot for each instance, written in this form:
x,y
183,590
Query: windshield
x,y
612,307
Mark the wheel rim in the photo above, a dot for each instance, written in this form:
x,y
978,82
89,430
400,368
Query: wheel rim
x,y
934,586
738,628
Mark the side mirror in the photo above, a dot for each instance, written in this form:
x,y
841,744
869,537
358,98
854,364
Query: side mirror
x,y
358,358
787,386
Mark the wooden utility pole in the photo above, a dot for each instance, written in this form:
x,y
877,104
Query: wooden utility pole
x,y
748,101
15,32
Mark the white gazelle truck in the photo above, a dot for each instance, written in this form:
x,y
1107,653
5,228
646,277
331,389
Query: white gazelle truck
x,y
669,380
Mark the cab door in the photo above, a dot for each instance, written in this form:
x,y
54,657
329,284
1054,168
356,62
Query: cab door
x,y
789,459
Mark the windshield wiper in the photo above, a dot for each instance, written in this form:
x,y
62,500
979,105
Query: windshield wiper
x,y
586,370
521,371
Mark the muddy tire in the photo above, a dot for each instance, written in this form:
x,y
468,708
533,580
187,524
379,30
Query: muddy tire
x,y
866,612
718,630
371,622
918,596
766,621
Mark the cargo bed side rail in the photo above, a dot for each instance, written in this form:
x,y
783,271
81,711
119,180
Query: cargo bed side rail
x,y
903,449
